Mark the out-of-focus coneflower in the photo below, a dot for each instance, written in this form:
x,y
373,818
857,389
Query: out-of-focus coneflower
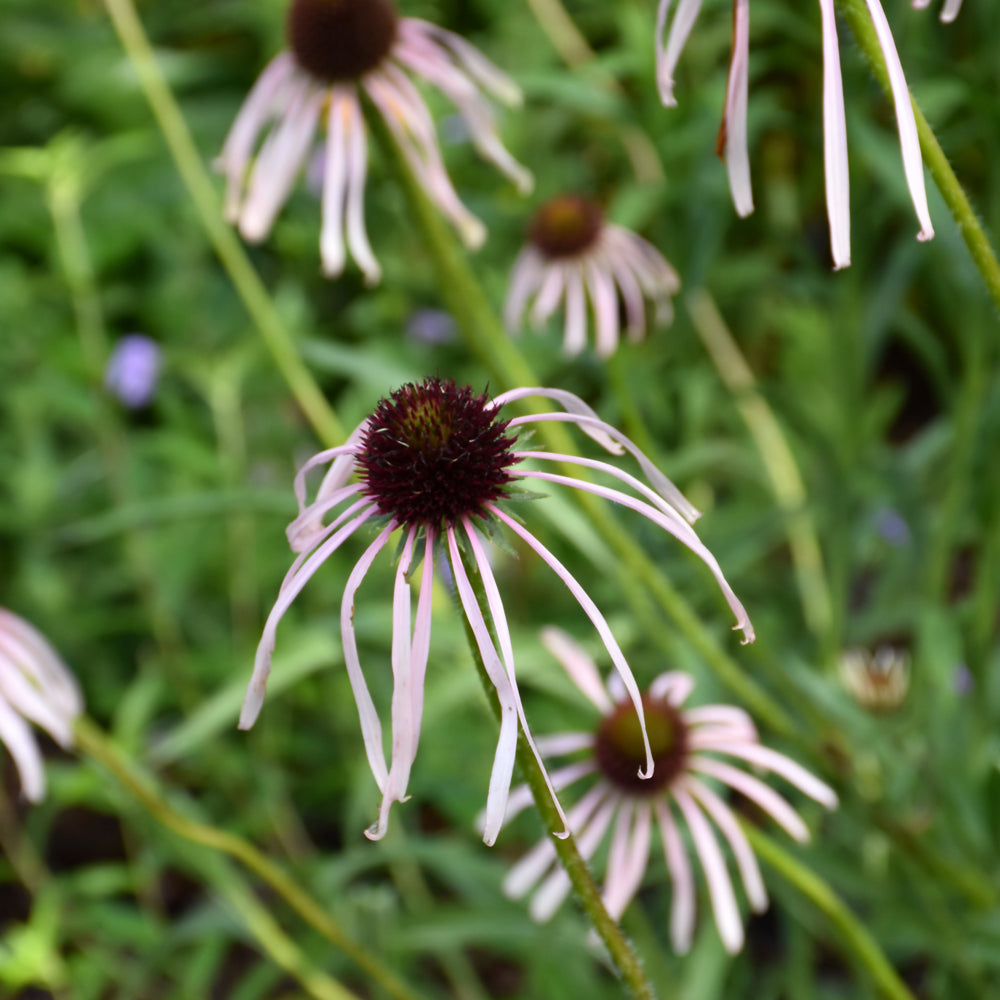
x,y
35,686
949,9
573,254
338,49
690,747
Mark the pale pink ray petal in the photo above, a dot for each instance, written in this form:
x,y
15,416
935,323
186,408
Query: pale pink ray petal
x,y
344,459
521,797
575,327
525,277
720,886
403,743
371,726
627,864
41,663
598,620
607,436
407,116
561,744
909,141
556,886
950,10
631,295
612,470
257,111
675,687
755,790
529,869
291,588
735,122
724,819
681,878
670,52
678,529
502,632
503,762
578,665
331,240
17,736
550,294
279,162
838,200
31,701
781,765
480,68
422,633
308,530
357,174
728,717
602,295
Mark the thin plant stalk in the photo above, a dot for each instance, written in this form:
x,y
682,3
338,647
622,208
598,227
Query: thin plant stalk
x,y
93,742
227,246
622,955
855,13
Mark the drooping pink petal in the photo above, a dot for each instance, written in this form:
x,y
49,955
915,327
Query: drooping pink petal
x,y
605,300
627,857
581,668
668,53
332,250
681,878
838,200
17,736
733,134
525,278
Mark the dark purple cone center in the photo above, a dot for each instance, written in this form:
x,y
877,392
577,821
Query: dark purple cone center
x,y
620,753
566,226
341,40
434,453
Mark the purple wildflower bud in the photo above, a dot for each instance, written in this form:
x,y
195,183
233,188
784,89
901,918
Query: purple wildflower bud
x,y
133,370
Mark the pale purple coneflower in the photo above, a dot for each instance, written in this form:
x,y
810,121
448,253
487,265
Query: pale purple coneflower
x,y
732,141
35,686
949,9
338,49
438,464
573,255
683,792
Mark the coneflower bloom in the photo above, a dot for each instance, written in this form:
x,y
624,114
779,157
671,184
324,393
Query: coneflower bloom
x,y
683,792
35,686
338,49
949,10
732,140
573,254
878,681
437,464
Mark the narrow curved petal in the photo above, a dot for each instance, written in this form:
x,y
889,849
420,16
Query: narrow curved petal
x,y
357,173
627,857
575,327
682,906
525,277
503,762
675,687
291,588
838,200
521,797
598,620
733,134
17,736
713,864
746,860
332,251
669,52
605,300
909,141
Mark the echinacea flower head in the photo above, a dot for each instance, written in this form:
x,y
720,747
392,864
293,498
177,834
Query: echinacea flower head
x,y
35,686
694,750
574,254
877,680
337,50
438,465
949,9
732,140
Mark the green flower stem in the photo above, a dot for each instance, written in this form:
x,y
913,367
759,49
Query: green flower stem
x,y
857,942
93,742
228,248
779,463
487,340
588,895
858,19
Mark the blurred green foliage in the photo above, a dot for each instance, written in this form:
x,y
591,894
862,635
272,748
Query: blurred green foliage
x,y
148,545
